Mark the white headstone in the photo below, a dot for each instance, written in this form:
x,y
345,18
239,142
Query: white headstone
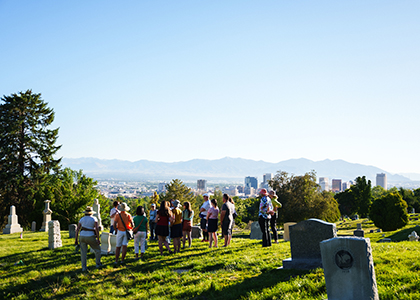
x,y
54,235
97,209
47,216
413,237
286,234
72,230
348,269
12,224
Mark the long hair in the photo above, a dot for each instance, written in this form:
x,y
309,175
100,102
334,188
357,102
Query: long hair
x,y
188,207
164,209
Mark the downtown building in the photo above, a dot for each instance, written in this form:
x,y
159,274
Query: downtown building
x,y
381,180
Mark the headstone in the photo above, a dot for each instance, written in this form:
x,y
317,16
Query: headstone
x,y
256,233
413,210
54,235
195,232
304,243
12,223
105,242
97,213
33,228
385,240
47,216
348,269
413,237
72,230
113,243
371,231
359,231
286,234
378,230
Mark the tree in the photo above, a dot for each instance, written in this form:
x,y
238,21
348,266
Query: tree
x,y
389,212
27,149
302,198
409,197
177,190
356,199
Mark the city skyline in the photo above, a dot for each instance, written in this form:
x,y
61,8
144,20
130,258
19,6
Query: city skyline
x,y
268,80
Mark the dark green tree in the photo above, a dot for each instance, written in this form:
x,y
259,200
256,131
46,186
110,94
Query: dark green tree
x,y
302,198
177,190
409,197
389,212
362,192
27,149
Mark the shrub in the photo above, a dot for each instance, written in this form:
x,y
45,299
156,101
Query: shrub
x,y
389,212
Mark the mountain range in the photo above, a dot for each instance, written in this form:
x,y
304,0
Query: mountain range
x,y
225,169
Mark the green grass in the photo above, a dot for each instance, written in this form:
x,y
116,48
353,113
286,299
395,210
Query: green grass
x,y
243,271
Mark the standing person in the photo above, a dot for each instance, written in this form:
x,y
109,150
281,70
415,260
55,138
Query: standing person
x,y
176,229
187,218
113,213
264,216
226,219
212,218
152,222
273,220
140,231
203,215
123,222
164,214
89,235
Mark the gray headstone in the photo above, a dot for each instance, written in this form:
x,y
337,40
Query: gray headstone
x,y
385,240
256,233
54,235
33,228
47,212
348,269
195,232
371,231
72,230
359,226
359,233
304,243
378,230
413,237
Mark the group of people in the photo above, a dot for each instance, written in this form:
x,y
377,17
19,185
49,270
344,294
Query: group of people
x,y
267,216
170,220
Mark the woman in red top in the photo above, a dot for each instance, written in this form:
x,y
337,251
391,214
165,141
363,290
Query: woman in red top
x,y
164,216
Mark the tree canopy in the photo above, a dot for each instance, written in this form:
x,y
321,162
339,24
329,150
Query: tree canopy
x,y
356,199
27,149
302,198
389,212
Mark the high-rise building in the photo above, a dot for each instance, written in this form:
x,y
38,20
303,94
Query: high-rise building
x,y
346,185
324,183
381,180
161,187
251,182
266,177
336,185
201,184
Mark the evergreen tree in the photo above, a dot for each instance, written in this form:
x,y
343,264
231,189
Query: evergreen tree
x,y
27,149
389,212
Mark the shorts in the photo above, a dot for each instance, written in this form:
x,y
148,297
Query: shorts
x,y
227,228
203,224
121,238
176,231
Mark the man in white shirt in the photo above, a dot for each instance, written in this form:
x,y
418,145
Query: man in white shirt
x,y
203,215
112,214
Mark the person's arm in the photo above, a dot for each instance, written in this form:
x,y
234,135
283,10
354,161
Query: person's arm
x,y
222,215
76,242
96,229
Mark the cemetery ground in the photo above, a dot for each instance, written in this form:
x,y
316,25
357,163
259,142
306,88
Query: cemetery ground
x,y
245,270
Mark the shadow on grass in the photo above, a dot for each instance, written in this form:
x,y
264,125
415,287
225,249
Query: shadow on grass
x,y
255,285
402,235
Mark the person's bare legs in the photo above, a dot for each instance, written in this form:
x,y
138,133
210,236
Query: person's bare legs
x,y
117,253
210,239
214,238
123,252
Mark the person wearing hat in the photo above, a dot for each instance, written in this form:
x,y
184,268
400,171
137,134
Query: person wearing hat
x,y
89,235
123,222
203,215
264,216
152,222
176,229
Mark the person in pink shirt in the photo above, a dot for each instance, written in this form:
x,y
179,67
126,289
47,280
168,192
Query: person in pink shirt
x,y
212,219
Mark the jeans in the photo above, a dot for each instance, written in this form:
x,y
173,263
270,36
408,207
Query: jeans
x,y
264,225
273,226
152,225
91,241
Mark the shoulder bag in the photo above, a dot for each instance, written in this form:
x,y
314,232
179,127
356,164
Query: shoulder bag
x,y
129,233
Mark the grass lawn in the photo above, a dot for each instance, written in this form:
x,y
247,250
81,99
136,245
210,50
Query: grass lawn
x,y
243,271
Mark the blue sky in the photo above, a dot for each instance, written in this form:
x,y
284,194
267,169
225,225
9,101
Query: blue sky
x,y
264,80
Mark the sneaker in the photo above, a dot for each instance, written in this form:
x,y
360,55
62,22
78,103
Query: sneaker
x,y
115,262
84,269
203,240
99,266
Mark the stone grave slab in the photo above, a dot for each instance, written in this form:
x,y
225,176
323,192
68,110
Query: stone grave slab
x,y
54,235
12,222
196,232
348,269
305,237
256,233
72,230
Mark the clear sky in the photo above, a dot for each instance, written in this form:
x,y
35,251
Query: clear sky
x,y
264,80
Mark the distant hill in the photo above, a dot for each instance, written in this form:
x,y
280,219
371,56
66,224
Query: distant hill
x,y
226,169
